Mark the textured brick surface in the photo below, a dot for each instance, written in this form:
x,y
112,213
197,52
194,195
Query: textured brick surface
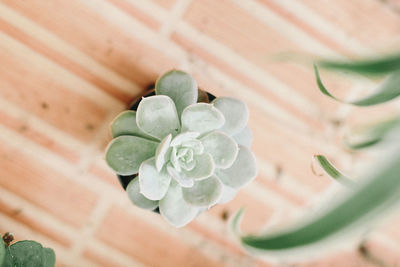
x,y
68,67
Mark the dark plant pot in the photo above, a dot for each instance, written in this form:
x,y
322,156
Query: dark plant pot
x,y
206,97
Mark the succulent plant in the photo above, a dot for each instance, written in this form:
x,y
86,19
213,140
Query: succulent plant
x,y
24,253
188,156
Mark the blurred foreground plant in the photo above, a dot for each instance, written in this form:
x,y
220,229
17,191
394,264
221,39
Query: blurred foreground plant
x,y
360,203
25,253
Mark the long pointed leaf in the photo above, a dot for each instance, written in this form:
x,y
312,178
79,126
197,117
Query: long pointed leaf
x,y
371,134
332,171
379,192
381,65
389,89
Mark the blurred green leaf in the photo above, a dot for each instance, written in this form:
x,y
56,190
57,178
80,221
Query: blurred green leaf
x,y
377,193
388,90
2,252
380,65
371,134
49,257
332,171
29,253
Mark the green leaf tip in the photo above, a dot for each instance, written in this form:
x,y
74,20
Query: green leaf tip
x,y
125,124
378,65
388,90
180,87
236,221
125,153
371,134
332,171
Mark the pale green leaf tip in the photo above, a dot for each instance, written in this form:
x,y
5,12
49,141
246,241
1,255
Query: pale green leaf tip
x,y
373,65
179,86
370,134
236,222
388,90
332,171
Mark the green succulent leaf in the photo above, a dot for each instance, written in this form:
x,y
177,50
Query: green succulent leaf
x,y
183,137
201,118
242,171
332,171
153,184
133,191
29,253
204,167
221,147
235,112
157,116
180,87
49,257
163,152
371,134
2,252
175,209
228,193
378,192
244,137
204,193
125,153
388,90
379,65
125,124
178,177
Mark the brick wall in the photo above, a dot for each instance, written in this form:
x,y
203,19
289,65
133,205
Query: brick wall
x,y
68,67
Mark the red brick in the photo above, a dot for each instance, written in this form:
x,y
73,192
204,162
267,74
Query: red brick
x,y
168,4
100,259
376,256
102,171
309,29
367,21
63,61
220,238
286,148
380,254
392,230
238,255
274,185
35,224
246,36
32,180
26,130
123,52
257,212
193,48
348,259
60,264
137,238
136,13
47,97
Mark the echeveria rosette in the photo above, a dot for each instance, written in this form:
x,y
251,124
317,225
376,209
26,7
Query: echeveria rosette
x,y
188,156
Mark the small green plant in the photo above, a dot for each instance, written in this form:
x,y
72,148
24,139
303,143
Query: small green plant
x,y
25,253
188,156
360,202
